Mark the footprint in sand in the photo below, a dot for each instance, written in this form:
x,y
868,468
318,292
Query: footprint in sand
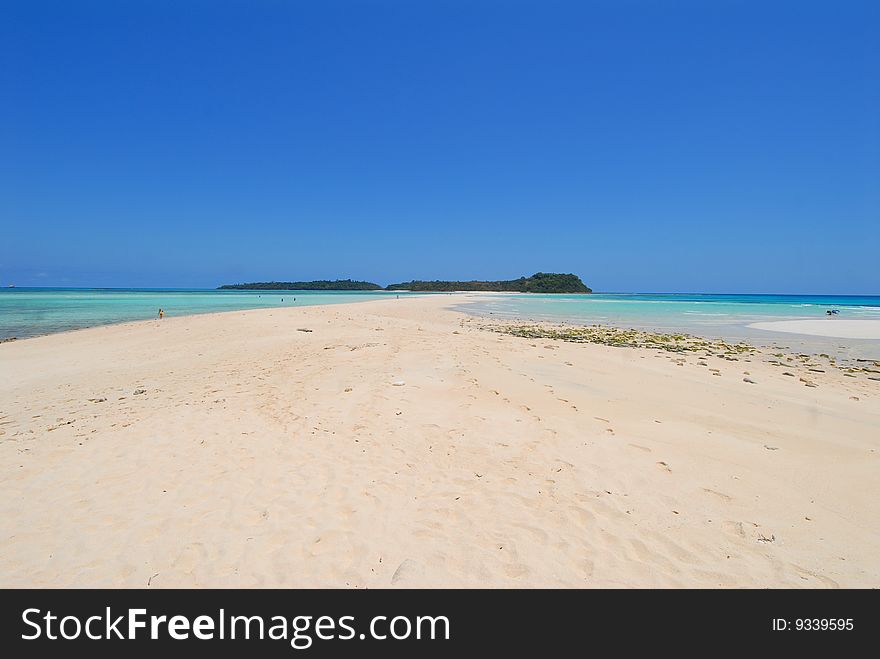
x,y
734,528
806,574
407,572
720,495
193,554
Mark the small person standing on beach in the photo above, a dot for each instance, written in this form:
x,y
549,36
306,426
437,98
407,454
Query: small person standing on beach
x,y
161,314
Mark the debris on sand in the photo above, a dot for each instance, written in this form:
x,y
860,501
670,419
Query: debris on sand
x,y
617,337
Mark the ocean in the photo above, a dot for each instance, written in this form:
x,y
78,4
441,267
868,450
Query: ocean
x,y
717,316
677,311
26,312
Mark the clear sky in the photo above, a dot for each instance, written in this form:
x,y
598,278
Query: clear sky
x,y
648,146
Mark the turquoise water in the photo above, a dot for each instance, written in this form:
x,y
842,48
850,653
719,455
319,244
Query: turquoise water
x,y
713,316
26,312
677,311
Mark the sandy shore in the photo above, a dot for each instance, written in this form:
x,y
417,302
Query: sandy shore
x,y
832,327
399,444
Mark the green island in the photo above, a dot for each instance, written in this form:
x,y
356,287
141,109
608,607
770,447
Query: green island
x,y
540,282
320,285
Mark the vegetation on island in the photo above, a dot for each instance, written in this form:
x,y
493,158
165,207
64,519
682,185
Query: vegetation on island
x,y
321,285
540,282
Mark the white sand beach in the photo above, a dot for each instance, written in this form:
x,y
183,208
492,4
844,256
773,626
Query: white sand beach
x,y
395,443
830,327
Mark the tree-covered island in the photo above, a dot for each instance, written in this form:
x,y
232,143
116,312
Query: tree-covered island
x,y
540,282
320,285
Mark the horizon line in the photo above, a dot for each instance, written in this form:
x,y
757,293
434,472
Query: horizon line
x,y
595,292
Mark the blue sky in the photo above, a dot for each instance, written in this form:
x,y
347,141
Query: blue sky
x,y
647,146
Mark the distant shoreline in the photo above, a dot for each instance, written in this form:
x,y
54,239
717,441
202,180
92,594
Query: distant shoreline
x,y
540,282
43,312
